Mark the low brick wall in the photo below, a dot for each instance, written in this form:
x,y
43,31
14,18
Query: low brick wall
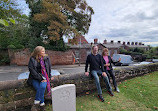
x,y
21,57
17,94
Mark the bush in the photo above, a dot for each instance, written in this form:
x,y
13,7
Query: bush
x,y
19,46
4,57
11,47
4,60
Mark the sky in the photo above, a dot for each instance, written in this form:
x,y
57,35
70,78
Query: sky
x,y
124,20
23,6
121,20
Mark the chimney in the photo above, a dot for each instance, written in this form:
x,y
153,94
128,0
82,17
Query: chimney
x,y
132,43
140,43
119,42
128,43
124,43
136,43
112,41
105,41
95,41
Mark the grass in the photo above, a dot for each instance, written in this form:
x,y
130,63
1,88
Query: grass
x,y
137,94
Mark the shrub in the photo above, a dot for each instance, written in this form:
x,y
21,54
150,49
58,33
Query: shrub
x,y
19,46
11,47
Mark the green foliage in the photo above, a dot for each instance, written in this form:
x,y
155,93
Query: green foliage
x,y
17,46
33,42
122,50
138,50
16,33
152,53
4,57
4,22
11,47
6,11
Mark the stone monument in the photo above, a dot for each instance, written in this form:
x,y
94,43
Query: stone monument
x,y
64,98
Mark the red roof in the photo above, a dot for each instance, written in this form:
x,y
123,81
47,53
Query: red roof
x,y
83,40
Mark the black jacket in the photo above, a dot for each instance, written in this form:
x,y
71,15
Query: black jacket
x,y
110,62
34,74
95,61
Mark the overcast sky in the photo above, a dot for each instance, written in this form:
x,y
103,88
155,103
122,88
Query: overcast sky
x,y
124,20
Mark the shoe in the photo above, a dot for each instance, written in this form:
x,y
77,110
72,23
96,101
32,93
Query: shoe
x,y
42,104
117,90
110,93
100,97
36,102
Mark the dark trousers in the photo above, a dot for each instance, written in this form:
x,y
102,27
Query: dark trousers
x,y
112,75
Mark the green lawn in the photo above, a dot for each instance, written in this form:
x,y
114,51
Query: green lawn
x,y
137,94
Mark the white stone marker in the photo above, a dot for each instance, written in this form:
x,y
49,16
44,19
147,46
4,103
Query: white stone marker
x,y
64,98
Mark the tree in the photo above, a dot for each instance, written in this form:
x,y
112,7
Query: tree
x,y
15,33
5,8
59,18
152,53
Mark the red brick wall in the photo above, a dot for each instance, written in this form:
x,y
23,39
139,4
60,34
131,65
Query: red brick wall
x,y
83,52
61,58
21,57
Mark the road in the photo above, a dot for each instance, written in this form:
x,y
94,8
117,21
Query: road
x,y
12,72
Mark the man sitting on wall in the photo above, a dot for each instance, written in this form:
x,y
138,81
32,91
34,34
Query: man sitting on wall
x,y
97,69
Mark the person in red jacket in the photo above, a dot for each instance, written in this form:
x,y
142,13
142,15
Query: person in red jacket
x,y
108,66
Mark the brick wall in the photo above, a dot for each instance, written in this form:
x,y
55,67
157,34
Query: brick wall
x,y
83,52
17,95
21,57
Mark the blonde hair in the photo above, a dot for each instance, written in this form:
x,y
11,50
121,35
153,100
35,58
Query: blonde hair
x,y
36,52
105,50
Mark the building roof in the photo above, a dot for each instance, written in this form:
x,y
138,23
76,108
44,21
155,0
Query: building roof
x,y
83,40
139,46
80,46
80,39
112,45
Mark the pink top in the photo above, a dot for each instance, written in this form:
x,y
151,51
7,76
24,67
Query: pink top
x,y
107,61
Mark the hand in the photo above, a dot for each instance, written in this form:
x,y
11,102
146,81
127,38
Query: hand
x,y
44,80
52,78
119,59
104,74
87,73
107,65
